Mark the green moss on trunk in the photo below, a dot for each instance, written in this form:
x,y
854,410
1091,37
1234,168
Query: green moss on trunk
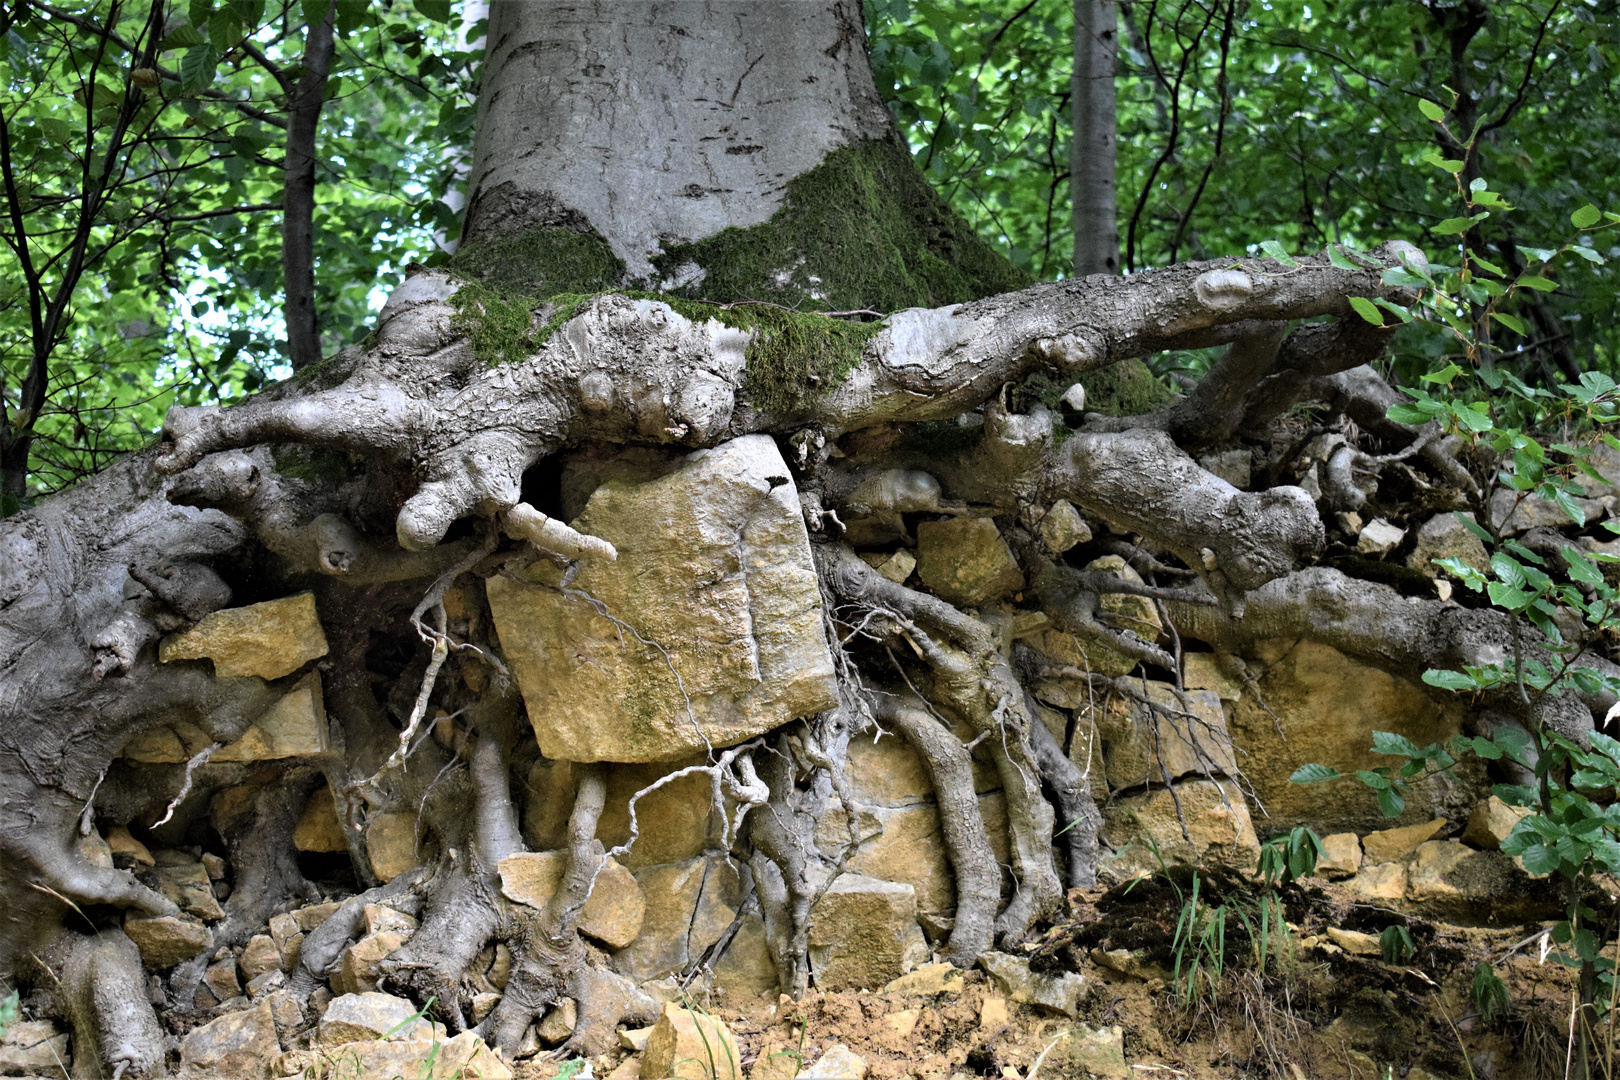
x,y
862,230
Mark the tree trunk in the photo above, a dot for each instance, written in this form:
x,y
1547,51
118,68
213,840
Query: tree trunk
x,y
1091,151
724,154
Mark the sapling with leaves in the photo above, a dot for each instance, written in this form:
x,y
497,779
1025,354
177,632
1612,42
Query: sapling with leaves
x,y
1558,604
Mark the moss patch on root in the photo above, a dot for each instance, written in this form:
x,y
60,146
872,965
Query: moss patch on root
x,y
794,358
862,230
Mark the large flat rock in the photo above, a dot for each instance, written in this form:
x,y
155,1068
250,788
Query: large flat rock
x,y
714,568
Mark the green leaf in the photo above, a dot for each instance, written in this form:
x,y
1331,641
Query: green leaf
x,y
1586,217
1457,225
1516,744
1313,774
1540,859
1402,279
198,66
436,10
1431,110
1512,322
1536,282
1444,376
1338,259
1485,748
1581,568
1390,803
1278,252
1387,742
1588,254
1449,680
1408,414
1367,310
1487,265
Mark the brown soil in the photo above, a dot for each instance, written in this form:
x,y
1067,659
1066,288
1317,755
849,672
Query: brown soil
x,y
1319,1012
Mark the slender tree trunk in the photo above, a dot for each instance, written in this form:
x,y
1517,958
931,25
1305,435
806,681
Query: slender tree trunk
x,y
1091,152
298,200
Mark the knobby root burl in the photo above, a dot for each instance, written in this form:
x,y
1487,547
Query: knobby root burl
x,y
433,436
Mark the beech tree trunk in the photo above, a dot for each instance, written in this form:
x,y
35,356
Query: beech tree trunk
x,y
819,305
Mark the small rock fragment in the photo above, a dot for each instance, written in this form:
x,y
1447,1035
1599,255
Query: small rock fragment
x,y
122,843
1388,845
1491,823
1341,855
391,844
1445,537
188,886
261,954
239,1043
221,980
695,1046
838,1063
357,970
308,918
965,560
167,939
483,1005
268,983
214,866
1379,536
269,640
614,912
1354,941
898,567
35,1048
1055,993
381,917
318,829
928,979
993,1014
559,1022
1063,528
355,1017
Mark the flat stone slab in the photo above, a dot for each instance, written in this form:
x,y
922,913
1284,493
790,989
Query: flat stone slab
x,y
269,640
714,583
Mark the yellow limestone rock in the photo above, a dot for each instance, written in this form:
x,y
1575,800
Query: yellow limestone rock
x,y
1389,845
690,1045
612,915
966,561
295,726
713,569
269,640
318,829
1491,823
391,844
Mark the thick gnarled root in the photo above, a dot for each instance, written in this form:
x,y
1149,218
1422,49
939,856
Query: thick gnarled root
x,y
100,989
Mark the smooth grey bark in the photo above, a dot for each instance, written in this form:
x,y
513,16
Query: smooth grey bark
x,y
577,129
1092,146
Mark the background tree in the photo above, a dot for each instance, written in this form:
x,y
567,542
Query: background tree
x,y
145,156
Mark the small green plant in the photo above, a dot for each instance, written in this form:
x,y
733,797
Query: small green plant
x,y
1490,992
10,1011
1396,944
1291,856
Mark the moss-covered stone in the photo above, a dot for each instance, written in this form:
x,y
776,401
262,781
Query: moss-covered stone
x,y
862,230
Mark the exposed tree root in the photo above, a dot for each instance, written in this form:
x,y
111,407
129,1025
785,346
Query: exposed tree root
x,y
975,682
967,843
100,989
